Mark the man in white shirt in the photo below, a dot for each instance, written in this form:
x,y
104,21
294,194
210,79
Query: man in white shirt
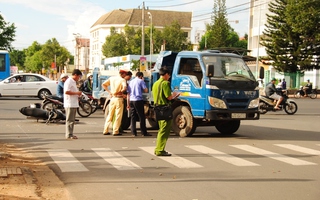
x,y
71,102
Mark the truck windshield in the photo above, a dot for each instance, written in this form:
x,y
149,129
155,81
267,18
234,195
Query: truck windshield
x,y
228,67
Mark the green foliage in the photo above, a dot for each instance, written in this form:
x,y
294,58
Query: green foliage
x,y
292,37
7,34
17,58
115,44
39,56
174,37
129,42
219,33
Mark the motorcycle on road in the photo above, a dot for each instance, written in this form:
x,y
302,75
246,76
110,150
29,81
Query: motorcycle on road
x,y
54,102
288,105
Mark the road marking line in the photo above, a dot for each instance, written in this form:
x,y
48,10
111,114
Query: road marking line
x,y
276,156
299,149
115,159
66,161
222,156
174,160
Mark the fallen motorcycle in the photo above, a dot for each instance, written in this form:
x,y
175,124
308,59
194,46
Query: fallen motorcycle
x,y
288,105
36,112
53,102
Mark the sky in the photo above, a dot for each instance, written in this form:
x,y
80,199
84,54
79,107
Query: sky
x,y
41,20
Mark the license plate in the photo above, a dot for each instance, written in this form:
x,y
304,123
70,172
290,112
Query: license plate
x,y
238,115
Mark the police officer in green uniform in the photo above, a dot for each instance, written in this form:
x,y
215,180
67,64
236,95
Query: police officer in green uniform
x,y
164,98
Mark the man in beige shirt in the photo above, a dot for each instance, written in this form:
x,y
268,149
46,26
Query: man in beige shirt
x,y
118,86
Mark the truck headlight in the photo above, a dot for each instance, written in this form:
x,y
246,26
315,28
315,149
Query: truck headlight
x,y
217,103
254,103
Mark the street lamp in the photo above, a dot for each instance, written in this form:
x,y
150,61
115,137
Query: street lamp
x,y
151,43
77,35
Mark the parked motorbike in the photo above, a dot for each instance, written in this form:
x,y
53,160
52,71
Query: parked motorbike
x,y
267,104
300,93
35,111
51,102
93,102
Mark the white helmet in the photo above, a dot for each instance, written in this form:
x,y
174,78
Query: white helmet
x,y
63,75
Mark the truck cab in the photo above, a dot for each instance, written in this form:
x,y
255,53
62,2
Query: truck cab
x,y
217,89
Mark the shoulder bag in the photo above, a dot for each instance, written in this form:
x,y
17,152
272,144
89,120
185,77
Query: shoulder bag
x,y
162,112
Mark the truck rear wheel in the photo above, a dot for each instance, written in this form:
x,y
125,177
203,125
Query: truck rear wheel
x,y
183,123
153,123
228,127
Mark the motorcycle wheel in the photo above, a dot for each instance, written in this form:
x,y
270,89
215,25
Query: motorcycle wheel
x,y
84,109
297,94
263,108
313,95
290,108
48,106
95,105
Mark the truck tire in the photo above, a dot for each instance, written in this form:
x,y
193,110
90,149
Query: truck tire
x,y
228,127
183,123
153,123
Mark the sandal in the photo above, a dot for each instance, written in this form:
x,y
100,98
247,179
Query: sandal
x,y
73,137
276,108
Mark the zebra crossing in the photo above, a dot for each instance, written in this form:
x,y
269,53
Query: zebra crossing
x,y
67,162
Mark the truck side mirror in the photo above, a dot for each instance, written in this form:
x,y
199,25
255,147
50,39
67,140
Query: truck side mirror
x,y
261,73
209,70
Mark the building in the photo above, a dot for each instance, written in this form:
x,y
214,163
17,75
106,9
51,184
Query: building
x,y
132,17
82,53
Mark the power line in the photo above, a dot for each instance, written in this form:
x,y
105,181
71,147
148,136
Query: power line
x,y
182,4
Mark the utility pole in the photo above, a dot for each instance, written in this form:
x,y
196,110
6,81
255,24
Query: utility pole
x,y
142,31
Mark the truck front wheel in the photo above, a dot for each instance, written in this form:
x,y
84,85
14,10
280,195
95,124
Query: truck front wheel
x,y
183,123
228,127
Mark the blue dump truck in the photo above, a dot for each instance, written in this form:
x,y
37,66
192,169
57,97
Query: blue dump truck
x,y
217,89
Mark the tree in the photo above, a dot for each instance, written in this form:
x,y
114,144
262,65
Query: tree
x,y
53,52
115,44
219,33
7,34
291,37
17,58
174,37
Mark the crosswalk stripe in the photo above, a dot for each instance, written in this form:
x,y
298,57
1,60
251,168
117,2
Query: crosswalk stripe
x,y
174,160
115,159
222,156
66,161
299,149
276,156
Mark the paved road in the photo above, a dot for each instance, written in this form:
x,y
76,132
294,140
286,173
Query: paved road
x,y
277,157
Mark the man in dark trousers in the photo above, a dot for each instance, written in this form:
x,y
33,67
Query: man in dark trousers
x,y
135,102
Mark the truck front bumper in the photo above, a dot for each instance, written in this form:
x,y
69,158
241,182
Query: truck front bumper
x,y
232,115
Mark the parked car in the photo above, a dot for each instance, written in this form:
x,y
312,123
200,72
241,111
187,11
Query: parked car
x,y
28,84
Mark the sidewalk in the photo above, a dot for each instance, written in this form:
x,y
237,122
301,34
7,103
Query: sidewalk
x,y
23,177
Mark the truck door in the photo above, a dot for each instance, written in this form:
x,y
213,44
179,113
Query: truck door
x,y
188,79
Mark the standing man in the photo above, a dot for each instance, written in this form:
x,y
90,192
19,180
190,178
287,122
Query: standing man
x,y
60,86
164,98
135,101
71,103
118,87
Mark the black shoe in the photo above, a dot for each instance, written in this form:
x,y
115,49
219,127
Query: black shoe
x,y
146,135
117,134
164,154
107,133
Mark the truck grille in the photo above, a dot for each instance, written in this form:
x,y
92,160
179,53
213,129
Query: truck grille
x,y
237,103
